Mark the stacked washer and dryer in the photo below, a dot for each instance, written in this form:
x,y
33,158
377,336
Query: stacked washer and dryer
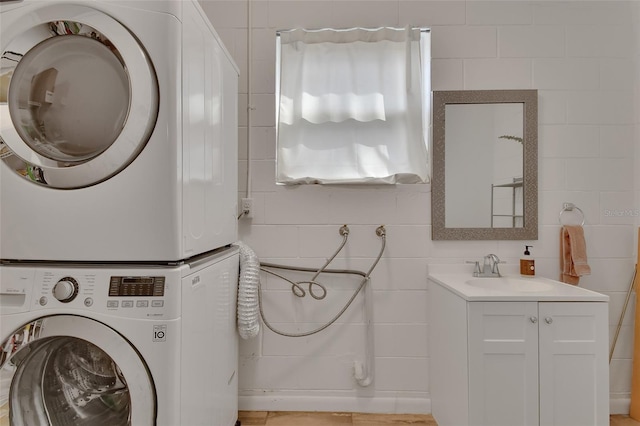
x,y
118,203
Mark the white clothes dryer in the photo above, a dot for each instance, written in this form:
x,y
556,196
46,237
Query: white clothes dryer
x,y
120,344
118,131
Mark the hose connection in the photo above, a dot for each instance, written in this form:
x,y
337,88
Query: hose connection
x,y
381,231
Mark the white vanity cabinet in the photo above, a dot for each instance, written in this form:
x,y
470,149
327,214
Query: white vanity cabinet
x,y
523,359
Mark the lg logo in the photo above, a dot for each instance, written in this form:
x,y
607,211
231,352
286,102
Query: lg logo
x,y
159,333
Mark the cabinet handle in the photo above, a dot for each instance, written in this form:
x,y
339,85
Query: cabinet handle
x,y
533,319
548,320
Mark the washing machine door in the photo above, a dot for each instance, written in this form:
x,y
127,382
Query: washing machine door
x,y
70,370
78,95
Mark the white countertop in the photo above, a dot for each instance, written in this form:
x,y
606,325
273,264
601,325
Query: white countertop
x,y
551,290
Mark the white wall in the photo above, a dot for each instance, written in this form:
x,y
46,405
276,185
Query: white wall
x,y
579,57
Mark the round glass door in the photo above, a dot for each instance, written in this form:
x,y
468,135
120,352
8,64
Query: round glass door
x,y
78,99
51,377
66,381
69,98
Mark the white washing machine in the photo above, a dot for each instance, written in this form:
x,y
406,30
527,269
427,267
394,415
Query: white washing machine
x,y
120,344
118,127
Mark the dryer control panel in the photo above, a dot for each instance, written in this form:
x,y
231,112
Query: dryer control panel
x,y
136,286
121,290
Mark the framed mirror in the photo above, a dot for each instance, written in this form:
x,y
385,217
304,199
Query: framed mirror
x,y
485,165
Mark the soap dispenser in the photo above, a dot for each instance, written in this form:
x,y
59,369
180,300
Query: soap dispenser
x,y
527,263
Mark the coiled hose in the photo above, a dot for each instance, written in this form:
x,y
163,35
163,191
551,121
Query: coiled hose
x,y
298,291
249,291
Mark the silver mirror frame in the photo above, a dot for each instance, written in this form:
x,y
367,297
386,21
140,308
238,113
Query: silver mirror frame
x,y
529,99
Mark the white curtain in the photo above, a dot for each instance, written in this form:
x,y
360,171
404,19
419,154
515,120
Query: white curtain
x,y
353,106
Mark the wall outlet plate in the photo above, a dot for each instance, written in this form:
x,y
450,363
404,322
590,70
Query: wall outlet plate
x,y
246,208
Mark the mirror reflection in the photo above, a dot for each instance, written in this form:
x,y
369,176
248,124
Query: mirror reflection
x,y
485,165
490,145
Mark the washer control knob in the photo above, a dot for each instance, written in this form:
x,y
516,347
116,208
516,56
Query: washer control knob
x,y
65,290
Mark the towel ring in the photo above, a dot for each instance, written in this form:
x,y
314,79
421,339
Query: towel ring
x,y
569,207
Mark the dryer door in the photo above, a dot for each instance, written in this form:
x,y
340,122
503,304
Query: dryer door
x,y
78,95
70,370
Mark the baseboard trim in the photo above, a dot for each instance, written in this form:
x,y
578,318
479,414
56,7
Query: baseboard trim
x,y
391,405
619,405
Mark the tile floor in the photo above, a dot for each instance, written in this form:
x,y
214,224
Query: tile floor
x,y
298,418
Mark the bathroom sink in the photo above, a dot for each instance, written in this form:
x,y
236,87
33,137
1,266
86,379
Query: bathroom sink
x,y
511,284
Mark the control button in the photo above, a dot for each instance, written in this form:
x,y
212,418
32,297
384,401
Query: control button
x,y
112,303
142,304
66,289
88,302
127,303
43,301
157,303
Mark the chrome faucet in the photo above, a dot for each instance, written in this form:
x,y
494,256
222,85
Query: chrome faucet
x,y
489,267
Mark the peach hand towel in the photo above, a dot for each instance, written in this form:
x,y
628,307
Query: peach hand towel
x,y
573,254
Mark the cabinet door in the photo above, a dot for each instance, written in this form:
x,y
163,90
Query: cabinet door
x,y
574,371
503,363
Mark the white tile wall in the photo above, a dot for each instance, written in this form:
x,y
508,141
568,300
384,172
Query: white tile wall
x,y
552,174
528,41
499,13
400,341
616,73
608,41
481,74
447,74
584,59
566,74
600,107
447,12
568,141
617,142
409,374
581,13
367,13
459,41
